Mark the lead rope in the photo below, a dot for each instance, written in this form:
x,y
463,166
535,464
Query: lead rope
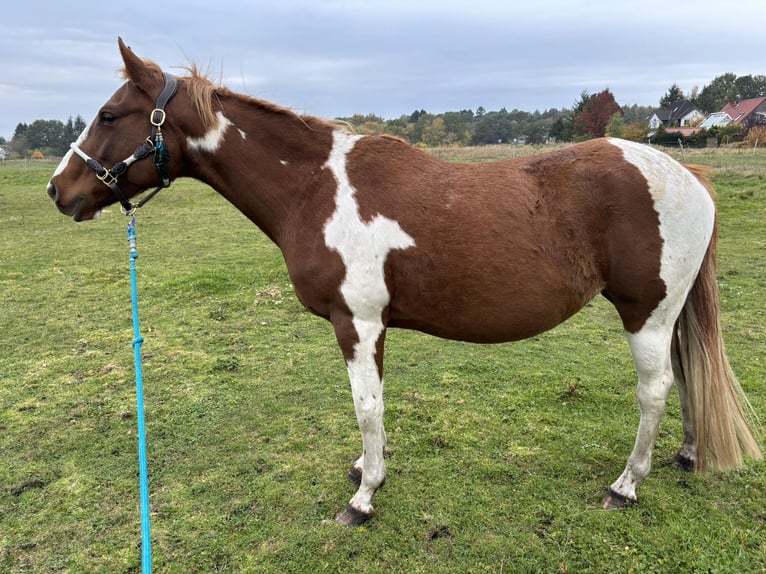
x,y
146,541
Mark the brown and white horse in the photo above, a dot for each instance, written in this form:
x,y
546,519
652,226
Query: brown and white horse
x,y
377,234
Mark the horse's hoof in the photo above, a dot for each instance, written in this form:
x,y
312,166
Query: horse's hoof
x,y
615,501
682,463
355,475
350,516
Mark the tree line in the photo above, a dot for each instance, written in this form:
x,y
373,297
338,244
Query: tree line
x,y
592,115
44,137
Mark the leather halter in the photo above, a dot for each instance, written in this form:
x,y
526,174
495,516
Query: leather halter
x,y
154,144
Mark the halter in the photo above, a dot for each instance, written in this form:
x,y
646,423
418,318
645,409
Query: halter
x,y
154,144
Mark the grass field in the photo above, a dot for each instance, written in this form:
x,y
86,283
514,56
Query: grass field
x,y
499,454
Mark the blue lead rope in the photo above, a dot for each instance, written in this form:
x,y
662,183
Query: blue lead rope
x,y
146,542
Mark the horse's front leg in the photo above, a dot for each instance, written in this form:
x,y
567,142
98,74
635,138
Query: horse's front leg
x,y
362,345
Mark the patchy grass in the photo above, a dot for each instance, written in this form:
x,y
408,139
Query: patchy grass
x,y
499,454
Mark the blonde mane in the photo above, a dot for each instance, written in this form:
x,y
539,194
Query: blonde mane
x,y
205,93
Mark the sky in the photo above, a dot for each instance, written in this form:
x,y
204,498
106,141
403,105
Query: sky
x,y
336,58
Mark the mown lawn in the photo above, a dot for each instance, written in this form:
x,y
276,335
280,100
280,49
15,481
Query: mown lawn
x,y
499,454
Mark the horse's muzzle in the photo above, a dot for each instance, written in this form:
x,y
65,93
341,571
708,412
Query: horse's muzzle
x,y
52,191
76,209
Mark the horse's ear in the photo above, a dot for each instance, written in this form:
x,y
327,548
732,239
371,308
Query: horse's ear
x,y
137,71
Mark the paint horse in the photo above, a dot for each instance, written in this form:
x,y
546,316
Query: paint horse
x,y
377,234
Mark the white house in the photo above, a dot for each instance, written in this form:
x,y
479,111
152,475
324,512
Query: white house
x,y
682,113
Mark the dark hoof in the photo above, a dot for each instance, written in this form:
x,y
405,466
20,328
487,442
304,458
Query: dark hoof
x,y
682,463
355,475
352,517
615,501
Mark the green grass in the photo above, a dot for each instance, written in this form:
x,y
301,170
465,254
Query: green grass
x,y
499,454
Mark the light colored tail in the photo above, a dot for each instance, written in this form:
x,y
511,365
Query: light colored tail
x,y
718,407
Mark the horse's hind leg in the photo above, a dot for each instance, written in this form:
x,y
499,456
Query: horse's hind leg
x,y
651,353
686,457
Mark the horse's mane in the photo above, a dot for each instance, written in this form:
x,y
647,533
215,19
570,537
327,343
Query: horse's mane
x,y
206,92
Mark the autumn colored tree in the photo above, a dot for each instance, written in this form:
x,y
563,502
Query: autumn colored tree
x,y
593,117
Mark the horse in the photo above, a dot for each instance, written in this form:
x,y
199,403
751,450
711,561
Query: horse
x,y
377,234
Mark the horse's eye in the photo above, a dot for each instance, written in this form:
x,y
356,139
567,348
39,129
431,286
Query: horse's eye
x,y
107,119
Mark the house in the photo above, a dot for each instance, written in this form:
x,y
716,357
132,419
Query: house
x,y
682,113
717,119
747,113
3,154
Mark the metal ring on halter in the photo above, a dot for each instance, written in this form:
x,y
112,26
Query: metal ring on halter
x,y
129,212
161,120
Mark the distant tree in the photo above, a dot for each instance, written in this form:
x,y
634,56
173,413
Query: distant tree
x,y
456,125
592,119
722,90
418,128
435,134
637,131
536,131
615,127
562,128
674,94
368,125
585,97
751,86
48,135
694,94
493,127
415,116
480,111
21,129
728,88
19,144
72,130
636,114
560,131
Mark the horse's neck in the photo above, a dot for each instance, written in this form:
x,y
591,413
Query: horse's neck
x,y
264,163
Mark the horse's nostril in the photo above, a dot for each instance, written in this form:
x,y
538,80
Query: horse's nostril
x,y
51,190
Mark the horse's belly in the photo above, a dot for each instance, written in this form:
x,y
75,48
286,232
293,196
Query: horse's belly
x,y
491,315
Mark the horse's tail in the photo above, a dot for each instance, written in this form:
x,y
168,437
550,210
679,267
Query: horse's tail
x,y
718,408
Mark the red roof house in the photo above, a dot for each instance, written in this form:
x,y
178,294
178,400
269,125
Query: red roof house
x,y
747,113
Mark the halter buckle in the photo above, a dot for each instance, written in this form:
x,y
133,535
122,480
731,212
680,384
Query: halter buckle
x,y
108,179
157,117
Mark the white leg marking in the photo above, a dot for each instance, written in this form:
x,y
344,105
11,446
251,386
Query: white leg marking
x,y
213,139
651,353
687,218
363,247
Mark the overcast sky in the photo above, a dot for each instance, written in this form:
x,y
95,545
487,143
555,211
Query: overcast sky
x,y
339,57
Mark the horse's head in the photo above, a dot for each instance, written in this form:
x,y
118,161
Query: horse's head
x,y
124,150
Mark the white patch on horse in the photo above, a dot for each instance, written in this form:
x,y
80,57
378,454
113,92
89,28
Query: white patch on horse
x,y
686,213
363,247
685,209
68,155
213,139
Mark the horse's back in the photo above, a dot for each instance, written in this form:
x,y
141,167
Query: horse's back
x,y
505,250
